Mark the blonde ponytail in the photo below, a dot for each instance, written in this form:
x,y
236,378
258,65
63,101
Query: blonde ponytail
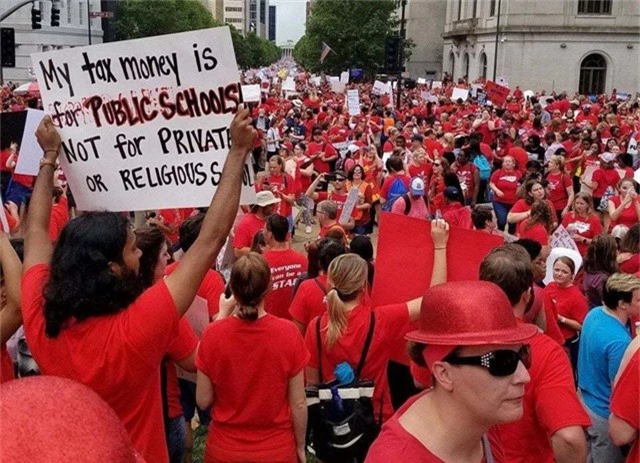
x,y
348,275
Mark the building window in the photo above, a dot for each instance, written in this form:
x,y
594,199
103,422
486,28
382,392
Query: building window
x,y
475,9
452,64
593,75
459,10
466,65
80,15
234,20
594,7
237,9
492,8
263,12
483,66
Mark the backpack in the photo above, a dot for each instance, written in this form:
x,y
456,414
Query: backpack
x,y
482,163
398,188
342,419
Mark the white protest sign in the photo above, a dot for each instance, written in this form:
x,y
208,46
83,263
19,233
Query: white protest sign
x,y
30,151
317,81
422,81
333,79
562,239
436,84
353,102
344,77
503,80
349,205
251,93
144,123
379,88
337,87
632,149
289,84
460,93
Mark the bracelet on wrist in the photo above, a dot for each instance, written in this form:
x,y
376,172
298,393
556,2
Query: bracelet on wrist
x,y
52,151
442,247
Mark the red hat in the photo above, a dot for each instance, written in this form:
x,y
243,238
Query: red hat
x,y
73,424
469,313
288,145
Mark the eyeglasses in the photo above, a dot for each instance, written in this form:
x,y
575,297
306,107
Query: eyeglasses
x,y
500,363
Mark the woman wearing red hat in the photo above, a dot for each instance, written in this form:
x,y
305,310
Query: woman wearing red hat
x,y
479,361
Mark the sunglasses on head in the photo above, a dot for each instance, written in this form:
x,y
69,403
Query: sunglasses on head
x,y
499,362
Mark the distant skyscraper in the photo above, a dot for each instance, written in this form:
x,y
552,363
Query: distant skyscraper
x,y
272,23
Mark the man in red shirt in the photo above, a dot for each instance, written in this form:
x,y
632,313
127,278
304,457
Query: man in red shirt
x,y
285,263
546,432
338,194
94,324
321,153
253,222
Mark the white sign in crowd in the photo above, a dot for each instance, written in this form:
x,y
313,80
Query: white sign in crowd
x,y
144,123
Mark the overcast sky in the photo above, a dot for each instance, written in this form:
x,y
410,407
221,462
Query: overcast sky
x,y
290,18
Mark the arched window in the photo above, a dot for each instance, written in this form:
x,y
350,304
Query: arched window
x,y
483,66
465,65
593,75
452,63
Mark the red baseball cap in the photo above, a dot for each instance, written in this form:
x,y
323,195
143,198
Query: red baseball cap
x,y
469,313
73,423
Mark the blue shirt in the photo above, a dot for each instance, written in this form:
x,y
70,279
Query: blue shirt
x,y
603,341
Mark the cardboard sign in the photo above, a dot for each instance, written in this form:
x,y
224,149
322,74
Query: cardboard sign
x,y
379,88
404,262
344,77
497,94
289,84
353,102
562,239
503,80
30,151
460,93
144,123
349,205
333,79
251,93
422,81
337,87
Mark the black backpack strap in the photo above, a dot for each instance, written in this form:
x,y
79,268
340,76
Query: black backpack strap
x,y
407,204
367,344
319,342
321,286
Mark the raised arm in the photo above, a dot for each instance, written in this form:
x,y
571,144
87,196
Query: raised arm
x,y
184,282
37,246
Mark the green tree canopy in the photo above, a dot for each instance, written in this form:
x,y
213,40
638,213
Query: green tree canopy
x,y
354,29
143,18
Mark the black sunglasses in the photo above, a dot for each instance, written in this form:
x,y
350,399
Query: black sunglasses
x,y
499,362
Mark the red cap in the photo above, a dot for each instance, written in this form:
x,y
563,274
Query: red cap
x,y
288,145
73,423
468,313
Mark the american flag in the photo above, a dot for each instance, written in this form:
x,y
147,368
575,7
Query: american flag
x,y
325,51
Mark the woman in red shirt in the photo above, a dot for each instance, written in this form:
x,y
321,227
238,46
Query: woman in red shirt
x,y
539,225
582,223
559,185
629,256
479,378
283,187
568,304
250,370
532,191
624,208
504,185
604,179
420,166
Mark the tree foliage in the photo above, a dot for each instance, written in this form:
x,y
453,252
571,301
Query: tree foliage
x,y
143,18
354,29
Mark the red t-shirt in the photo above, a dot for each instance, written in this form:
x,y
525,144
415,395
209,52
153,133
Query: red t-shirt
x,y
395,443
319,165
118,356
285,184
604,178
211,288
310,300
457,215
392,322
424,171
522,206
286,266
537,233
250,364
557,187
339,199
6,365
182,346
631,265
568,302
246,229
507,182
587,228
624,401
528,440
59,218
174,218
629,215
466,177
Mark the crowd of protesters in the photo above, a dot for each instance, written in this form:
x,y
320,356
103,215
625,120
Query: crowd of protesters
x,y
281,353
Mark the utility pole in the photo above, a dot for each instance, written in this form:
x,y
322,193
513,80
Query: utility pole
x,y
401,53
89,19
495,52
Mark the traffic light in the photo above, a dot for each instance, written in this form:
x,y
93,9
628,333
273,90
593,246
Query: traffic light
x,y
36,17
8,45
55,16
392,54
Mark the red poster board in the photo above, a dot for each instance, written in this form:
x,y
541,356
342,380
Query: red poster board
x,y
404,260
497,94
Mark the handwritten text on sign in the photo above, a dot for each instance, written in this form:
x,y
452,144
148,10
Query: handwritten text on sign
x,y
144,123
